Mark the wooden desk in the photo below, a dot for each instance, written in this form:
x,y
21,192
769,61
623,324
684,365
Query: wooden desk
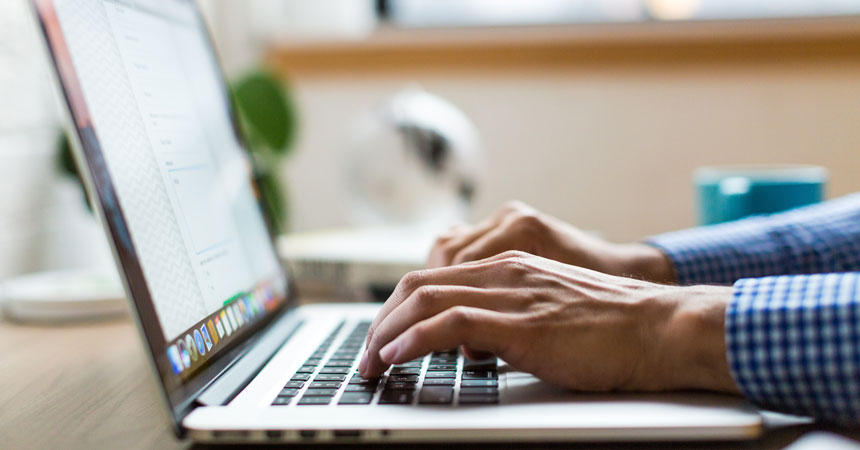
x,y
87,386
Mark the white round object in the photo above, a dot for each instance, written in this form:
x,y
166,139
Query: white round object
x,y
65,295
416,159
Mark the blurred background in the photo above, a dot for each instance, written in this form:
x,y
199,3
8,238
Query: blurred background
x,y
594,111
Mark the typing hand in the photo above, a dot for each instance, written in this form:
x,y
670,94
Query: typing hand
x,y
516,226
574,327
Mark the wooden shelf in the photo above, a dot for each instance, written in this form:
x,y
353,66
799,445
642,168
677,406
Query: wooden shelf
x,y
750,41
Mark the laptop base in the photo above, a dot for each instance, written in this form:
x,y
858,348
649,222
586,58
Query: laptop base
x,y
529,410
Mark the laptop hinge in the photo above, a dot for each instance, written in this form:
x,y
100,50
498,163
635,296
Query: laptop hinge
x,y
224,388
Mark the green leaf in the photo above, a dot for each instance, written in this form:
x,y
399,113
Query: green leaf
x,y
65,159
274,201
268,116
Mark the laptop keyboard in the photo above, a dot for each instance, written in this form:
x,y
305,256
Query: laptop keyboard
x,y
441,378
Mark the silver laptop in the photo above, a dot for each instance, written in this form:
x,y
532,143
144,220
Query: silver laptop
x,y
235,358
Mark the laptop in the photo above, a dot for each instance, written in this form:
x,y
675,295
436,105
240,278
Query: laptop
x,y
235,357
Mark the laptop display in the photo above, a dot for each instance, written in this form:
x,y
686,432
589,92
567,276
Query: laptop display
x,y
153,117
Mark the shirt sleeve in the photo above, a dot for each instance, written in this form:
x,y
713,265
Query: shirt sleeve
x,y
816,239
793,344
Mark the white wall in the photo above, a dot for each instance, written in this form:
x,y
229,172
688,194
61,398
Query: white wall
x,y
608,149
27,137
43,220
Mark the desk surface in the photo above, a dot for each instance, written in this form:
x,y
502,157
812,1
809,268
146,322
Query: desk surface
x,y
87,386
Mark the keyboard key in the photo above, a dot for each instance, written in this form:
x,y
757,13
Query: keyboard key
x,y
320,393
435,367
443,360
325,385
313,362
479,383
396,398
479,391
355,398
403,378
294,384
348,359
400,386
406,371
306,369
480,364
315,400
282,401
436,395
445,374
360,388
338,364
329,377
409,364
480,374
357,379
288,392
450,351
301,377
341,370
438,382
478,399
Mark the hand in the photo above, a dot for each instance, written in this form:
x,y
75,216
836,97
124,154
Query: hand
x,y
574,327
516,226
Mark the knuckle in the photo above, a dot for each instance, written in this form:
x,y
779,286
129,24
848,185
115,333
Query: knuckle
x,y
514,255
459,316
518,268
529,222
413,280
426,294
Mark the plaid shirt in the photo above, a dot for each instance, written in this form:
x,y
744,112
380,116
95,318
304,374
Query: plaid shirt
x,y
793,326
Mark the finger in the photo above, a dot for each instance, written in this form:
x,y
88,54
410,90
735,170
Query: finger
x,y
484,273
507,254
427,302
480,329
492,243
476,274
447,246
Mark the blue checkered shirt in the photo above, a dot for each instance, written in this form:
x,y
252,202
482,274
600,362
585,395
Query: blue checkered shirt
x,y
793,326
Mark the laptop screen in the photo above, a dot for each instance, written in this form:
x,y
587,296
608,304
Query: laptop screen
x,y
154,120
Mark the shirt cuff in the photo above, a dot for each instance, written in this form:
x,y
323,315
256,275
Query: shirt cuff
x,y
793,344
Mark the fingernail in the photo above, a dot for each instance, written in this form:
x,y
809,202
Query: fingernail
x,y
388,352
363,364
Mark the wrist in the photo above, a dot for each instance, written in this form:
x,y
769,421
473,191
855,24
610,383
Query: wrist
x,y
693,341
644,262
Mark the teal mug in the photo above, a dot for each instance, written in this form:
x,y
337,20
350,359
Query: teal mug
x,y
733,192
